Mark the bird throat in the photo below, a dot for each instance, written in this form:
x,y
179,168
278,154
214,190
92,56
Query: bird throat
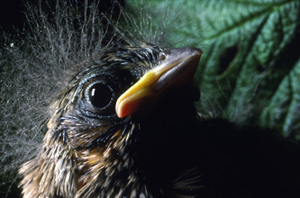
x,y
111,169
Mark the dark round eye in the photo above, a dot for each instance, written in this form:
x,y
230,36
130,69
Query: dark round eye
x,y
100,95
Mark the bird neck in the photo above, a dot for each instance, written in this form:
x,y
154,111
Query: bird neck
x,y
137,161
161,137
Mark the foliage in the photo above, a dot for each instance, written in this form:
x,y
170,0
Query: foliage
x,y
250,68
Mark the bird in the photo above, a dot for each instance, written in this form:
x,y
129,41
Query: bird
x,y
126,126
125,122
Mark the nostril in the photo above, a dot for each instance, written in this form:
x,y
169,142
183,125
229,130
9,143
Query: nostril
x,y
162,56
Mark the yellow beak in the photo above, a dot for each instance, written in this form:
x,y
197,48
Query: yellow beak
x,y
178,67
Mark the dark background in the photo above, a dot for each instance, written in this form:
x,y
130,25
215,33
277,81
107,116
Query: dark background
x,y
12,17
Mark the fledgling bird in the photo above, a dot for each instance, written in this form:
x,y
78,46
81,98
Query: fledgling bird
x,y
126,126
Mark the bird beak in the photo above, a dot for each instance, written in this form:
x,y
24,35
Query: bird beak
x,y
177,66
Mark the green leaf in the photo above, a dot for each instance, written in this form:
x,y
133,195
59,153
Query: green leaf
x,y
249,72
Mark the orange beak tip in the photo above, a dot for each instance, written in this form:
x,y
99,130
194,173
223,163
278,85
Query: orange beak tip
x,y
124,108
120,110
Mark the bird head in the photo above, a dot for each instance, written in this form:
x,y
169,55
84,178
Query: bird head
x,y
100,117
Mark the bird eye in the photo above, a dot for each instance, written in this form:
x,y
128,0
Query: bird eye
x,y
100,95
